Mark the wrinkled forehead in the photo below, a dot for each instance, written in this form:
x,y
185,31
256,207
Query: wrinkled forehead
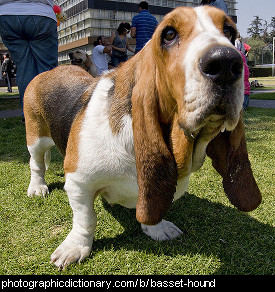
x,y
208,19
211,22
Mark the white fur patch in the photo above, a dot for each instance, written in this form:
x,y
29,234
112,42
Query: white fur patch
x,y
164,230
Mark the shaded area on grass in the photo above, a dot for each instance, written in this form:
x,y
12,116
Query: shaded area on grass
x,y
242,244
9,104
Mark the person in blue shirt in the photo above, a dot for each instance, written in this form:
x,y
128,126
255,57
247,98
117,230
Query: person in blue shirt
x,y
216,3
143,26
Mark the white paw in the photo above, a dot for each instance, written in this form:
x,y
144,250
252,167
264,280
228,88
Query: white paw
x,y
37,190
71,250
164,230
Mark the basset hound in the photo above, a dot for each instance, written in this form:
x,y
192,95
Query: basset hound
x,y
135,134
82,59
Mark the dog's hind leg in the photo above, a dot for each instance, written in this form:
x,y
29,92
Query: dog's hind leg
x,y
39,161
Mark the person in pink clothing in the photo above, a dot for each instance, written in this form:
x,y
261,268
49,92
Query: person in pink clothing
x,y
247,49
246,83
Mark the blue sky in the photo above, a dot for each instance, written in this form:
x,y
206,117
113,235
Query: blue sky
x,y
247,9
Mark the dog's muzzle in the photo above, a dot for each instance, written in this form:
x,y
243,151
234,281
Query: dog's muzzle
x,y
73,60
219,99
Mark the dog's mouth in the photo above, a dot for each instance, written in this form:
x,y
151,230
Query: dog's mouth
x,y
76,61
219,112
210,126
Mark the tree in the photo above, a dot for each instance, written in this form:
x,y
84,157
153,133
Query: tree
x,y
265,34
261,37
256,28
272,27
257,46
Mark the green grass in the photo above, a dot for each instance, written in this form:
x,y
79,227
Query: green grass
x,y
9,104
217,239
265,96
269,83
3,92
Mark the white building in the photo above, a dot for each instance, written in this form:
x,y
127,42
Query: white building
x,y
87,19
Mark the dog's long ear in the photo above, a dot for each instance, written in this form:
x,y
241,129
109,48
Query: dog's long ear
x,y
88,61
156,166
229,157
91,66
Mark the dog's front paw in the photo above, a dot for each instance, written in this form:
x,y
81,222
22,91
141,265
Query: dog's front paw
x,y
164,230
37,190
71,250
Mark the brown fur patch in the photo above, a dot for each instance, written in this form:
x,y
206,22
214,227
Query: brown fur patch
x,y
35,123
71,158
182,149
156,167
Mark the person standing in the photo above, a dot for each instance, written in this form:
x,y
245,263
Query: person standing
x,y
216,3
239,44
28,29
99,58
120,45
246,83
143,26
7,71
247,50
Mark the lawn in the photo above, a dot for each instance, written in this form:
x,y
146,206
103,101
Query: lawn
x,y
217,239
9,101
269,83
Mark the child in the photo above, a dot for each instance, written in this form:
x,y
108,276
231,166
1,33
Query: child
x,y
246,83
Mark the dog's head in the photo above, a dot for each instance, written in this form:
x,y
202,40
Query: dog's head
x,y
80,58
191,88
200,68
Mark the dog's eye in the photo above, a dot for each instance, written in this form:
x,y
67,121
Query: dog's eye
x,y
229,32
168,36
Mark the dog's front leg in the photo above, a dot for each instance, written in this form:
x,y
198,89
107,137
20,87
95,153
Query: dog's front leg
x,y
77,245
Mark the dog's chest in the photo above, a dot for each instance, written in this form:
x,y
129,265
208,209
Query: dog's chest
x,y
106,161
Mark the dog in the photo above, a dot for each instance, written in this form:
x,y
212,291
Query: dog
x,y
135,134
82,59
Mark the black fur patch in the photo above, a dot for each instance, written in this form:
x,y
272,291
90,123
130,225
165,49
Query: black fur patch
x,y
61,110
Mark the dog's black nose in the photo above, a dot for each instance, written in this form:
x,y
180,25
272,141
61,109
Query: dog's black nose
x,y
223,65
